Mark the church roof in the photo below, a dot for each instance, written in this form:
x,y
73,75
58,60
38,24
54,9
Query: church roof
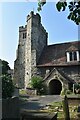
x,y
55,55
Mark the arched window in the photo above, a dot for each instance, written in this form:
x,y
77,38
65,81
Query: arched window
x,y
73,56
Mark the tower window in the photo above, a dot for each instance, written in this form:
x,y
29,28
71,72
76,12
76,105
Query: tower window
x,y
24,35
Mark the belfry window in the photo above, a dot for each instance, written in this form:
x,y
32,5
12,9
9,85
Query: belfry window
x,y
24,35
73,56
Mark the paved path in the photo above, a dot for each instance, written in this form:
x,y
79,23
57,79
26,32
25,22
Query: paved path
x,y
38,102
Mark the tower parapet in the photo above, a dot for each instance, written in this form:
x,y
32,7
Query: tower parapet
x,y
34,16
22,28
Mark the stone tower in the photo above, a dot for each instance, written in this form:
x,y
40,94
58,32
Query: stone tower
x,y
32,40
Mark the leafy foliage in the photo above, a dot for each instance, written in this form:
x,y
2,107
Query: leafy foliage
x,y
77,88
36,83
4,65
74,9
61,5
40,4
7,84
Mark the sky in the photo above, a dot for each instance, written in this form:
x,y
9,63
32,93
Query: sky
x,y
13,15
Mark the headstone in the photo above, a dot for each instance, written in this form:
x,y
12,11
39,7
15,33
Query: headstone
x,y
16,92
10,108
66,108
0,109
78,109
78,112
30,115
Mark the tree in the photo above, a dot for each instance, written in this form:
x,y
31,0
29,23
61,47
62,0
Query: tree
x,y
7,84
74,8
36,83
4,65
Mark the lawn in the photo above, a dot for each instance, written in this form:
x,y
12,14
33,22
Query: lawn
x,y
58,107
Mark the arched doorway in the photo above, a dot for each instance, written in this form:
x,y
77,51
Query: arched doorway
x,y
55,87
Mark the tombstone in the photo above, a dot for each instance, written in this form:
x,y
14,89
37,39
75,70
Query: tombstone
x,y
16,92
78,112
0,109
35,115
78,109
10,109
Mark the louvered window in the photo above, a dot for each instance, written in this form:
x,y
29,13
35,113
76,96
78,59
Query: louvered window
x,y
24,35
73,56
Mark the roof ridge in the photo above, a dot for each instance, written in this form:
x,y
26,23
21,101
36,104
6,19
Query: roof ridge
x,y
64,43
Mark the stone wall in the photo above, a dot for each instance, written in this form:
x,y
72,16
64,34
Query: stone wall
x,y
36,40
73,72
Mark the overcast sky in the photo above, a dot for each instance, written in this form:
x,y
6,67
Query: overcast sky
x,y
13,15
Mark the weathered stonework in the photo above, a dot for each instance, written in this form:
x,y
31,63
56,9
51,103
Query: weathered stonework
x,y
29,49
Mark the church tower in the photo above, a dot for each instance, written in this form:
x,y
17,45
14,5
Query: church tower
x,y
32,40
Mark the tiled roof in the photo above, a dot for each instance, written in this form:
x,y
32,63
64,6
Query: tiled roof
x,y
55,55
72,48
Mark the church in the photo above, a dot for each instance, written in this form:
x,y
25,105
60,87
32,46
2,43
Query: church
x,y
57,64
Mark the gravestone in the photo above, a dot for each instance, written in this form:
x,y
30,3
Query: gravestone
x,y
78,112
37,115
78,109
10,108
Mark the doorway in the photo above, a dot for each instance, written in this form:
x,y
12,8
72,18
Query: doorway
x,y
55,87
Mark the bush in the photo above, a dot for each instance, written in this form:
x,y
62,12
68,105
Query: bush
x,y
22,92
63,92
7,86
36,83
77,88
68,92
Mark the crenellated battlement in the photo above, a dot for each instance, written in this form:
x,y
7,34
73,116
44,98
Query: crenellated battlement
x,y
22,28
34,16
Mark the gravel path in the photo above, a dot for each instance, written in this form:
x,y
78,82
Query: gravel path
x,y
38,102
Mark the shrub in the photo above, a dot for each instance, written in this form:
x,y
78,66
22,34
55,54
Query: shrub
x,y
7,86
36,83
68,92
